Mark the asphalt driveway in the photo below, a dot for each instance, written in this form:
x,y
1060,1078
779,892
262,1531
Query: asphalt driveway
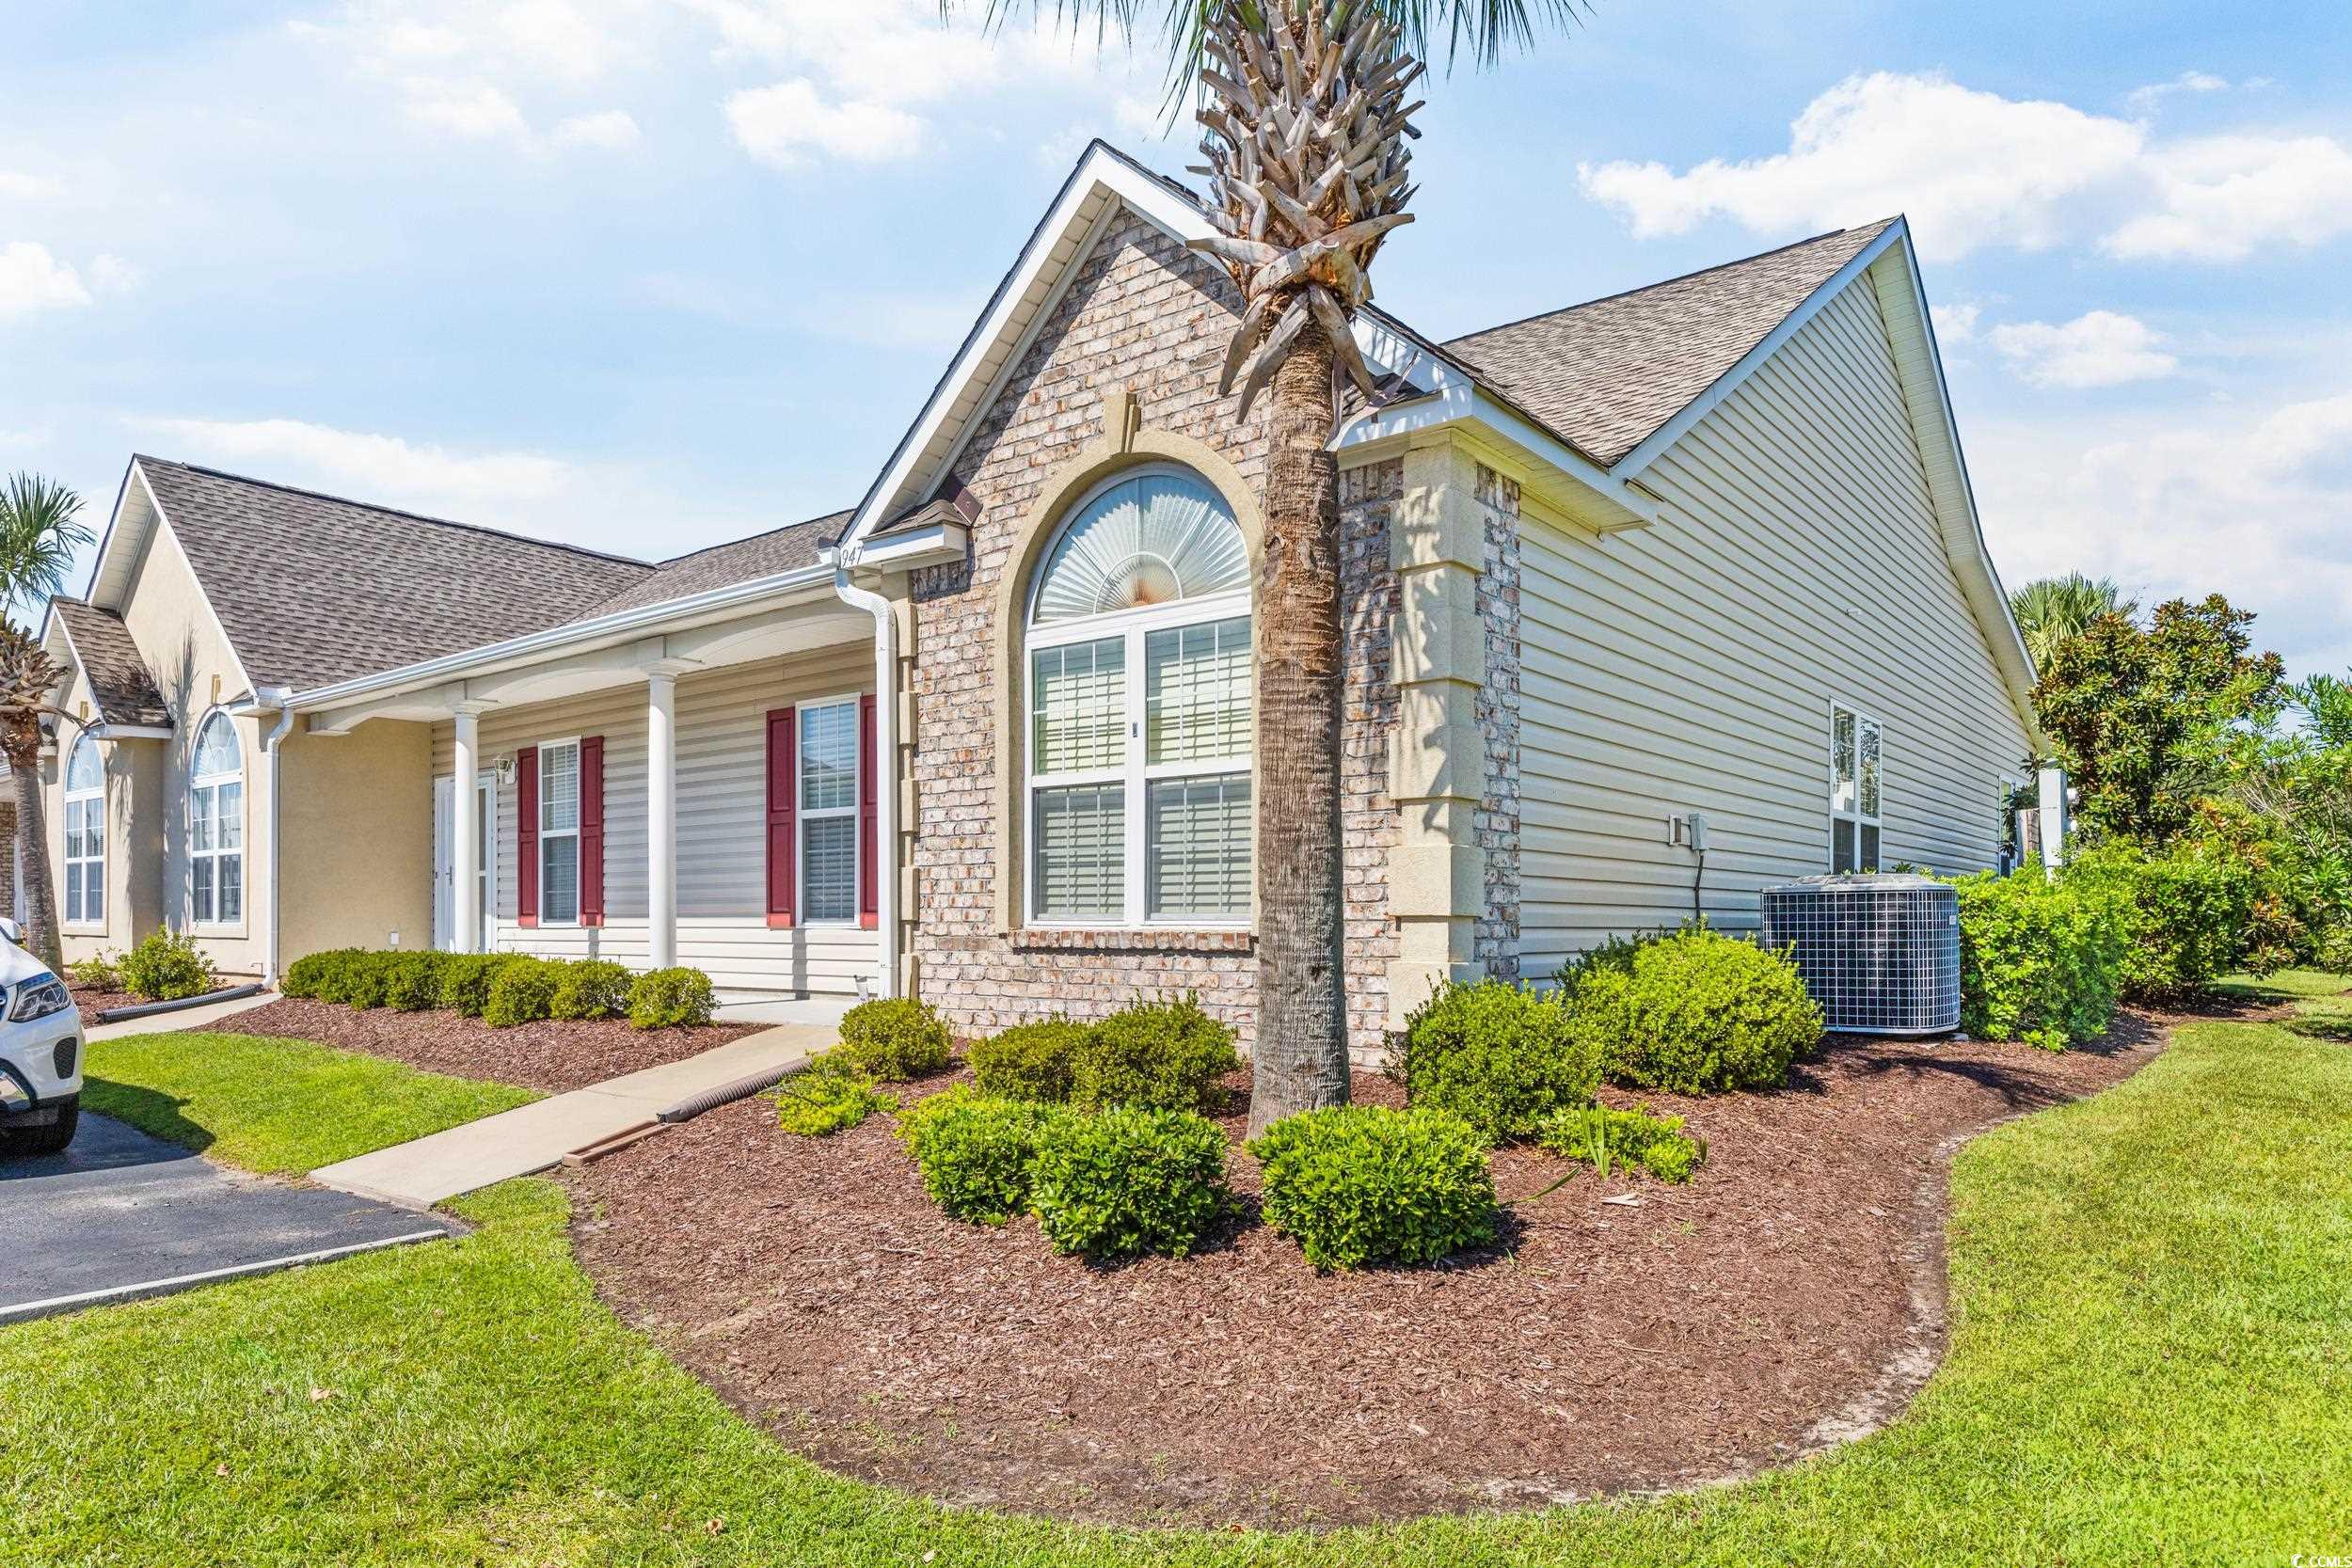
x,y
121,1215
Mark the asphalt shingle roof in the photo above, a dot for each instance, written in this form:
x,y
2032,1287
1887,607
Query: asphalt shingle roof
x,y
120,682
1605,375
762,555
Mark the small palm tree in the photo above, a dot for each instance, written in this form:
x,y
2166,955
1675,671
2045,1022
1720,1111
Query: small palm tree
x,y
40,532
2054,610
1306,120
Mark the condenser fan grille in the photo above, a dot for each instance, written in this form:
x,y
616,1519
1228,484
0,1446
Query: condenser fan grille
x,y
1880,954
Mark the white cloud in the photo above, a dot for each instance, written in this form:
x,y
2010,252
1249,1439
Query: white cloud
x,y
789,124
32,280
2187,81
382,469
112,275
1956,324
2099,348
555,36
1974,169
474,110
28,187
608,128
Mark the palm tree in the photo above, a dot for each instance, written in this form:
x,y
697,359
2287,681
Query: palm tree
x,y
1304,106
2053,609
38,536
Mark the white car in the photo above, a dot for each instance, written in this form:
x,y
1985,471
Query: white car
x,y
41,1052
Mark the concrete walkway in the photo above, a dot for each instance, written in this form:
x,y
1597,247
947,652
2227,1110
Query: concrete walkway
x,y
205,1017
532,1137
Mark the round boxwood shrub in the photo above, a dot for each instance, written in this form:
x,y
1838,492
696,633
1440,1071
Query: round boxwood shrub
x,y
412,982
1357,1184
1129,1181
1155,1055
590,988
467,978
893,1039
2040,961
167,966
1500,1057
309,976
977,1151
1696,1013
670,999
1030,1061
521,993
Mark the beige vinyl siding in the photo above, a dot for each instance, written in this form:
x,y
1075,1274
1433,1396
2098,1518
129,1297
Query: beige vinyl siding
x,y
1691,666
722,824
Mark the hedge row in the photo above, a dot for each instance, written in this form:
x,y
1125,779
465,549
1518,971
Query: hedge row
x,y
501,989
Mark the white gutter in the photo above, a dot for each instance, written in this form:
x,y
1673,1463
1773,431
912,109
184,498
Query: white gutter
x,y
283,698
886,761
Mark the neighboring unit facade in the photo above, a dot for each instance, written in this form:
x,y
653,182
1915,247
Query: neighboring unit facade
x,y
1648,604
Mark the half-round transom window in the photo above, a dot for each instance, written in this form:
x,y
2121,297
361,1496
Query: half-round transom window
x,y
1154,537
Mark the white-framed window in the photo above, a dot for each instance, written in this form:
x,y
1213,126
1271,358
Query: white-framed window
x,y
1139,704
84,834
1857,745
216,824
827,781
559,833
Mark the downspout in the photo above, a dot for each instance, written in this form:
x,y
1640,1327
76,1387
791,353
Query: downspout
x,y
886,761
282,697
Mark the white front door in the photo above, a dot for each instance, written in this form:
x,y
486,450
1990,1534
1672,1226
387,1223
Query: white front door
x,y
445,861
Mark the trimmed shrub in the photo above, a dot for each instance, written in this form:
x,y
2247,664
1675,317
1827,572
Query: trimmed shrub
x,y
412,983
308,975
1607,1139
1615,956
98,971
1129,1181
361,982
522,992
2040,961
826,1097
1030,1061
590,988
1500,1057
893,1039
1698,1012
670,999
977,1151
165,966
1155,1056
467,978
1357,1184
2187,913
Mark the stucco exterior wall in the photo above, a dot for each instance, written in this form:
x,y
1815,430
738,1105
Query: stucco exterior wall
x,y
356,828
135,805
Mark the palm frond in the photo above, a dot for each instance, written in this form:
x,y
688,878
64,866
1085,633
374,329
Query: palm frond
x,y
39,534
2054,610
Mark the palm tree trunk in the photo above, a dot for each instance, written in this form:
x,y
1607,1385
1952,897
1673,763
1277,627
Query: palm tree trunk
x,y
1300,1060
32,837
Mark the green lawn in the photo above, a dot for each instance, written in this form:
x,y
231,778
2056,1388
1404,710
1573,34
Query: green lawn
x,y
274,1105
2153,1364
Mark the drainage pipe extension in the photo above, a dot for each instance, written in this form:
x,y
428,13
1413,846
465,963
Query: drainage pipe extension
x,y
886,763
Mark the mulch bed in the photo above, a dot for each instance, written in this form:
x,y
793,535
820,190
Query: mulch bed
x,y
1789,1297
91,1002
554,1056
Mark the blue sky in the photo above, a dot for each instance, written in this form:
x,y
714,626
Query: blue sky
x,y
650,273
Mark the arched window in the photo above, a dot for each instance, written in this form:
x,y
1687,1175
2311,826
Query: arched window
x,y
84,834
1139,713
216,824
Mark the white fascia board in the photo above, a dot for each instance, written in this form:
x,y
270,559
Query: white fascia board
x,y
908,549
556,640
1010,319
1632,463
106,540
129,731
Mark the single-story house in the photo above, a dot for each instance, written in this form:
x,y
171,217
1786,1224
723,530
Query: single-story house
x,y
1650,602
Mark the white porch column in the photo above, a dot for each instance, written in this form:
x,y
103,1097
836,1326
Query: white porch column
x,y
661,816
2056,823
465,809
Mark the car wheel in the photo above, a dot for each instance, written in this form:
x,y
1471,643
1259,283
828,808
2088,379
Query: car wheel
x,y
51,1139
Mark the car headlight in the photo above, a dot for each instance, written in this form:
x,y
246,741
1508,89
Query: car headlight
x,y
37,998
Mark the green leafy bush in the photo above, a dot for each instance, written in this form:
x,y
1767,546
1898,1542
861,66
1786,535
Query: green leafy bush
x,y
1129,1181
2040,961
1155,1055
1606,1139
167,966
308,975
826,1096
522,992
894,1040
1615,956
467,978
1500,1057
1697,1012
670,999
364,980
2188,912
1030,1061
412,982
98,971
1365,1184
590,988
977,1151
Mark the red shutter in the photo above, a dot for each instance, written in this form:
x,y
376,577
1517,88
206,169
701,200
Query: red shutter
x,y
869,910
592,830
783,799
527,835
